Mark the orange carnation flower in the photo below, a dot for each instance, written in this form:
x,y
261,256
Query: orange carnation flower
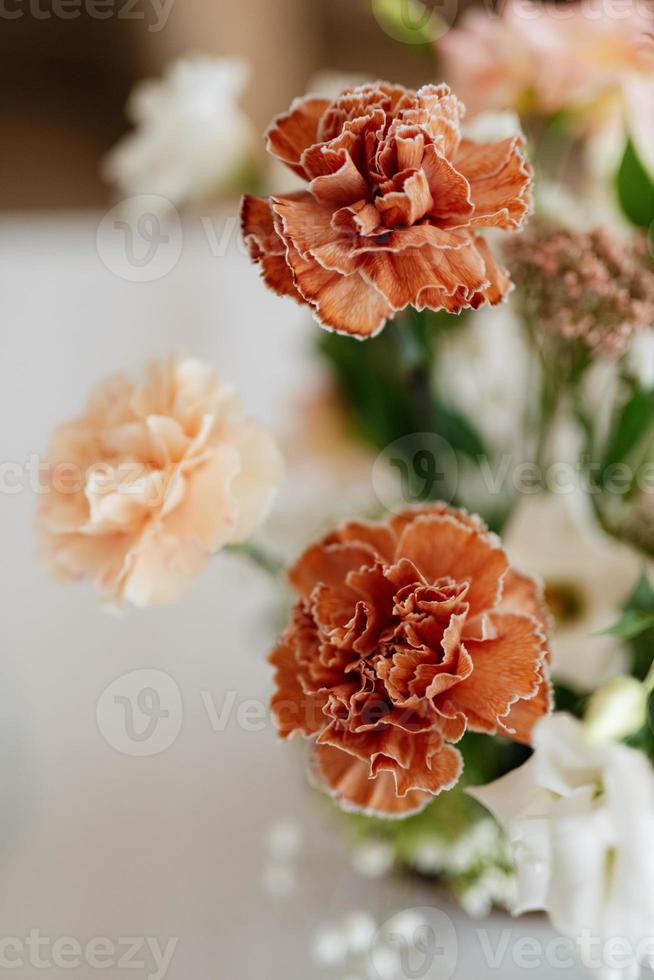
x,y
390,216
407,633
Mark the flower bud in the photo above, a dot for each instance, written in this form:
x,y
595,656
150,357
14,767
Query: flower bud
x,y
617,709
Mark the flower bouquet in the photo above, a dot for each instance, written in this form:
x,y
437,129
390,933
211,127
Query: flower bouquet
x,y
470,658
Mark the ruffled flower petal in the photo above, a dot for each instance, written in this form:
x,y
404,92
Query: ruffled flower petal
x,y
393,199
399,642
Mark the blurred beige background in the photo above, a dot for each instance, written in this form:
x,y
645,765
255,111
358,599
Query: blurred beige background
x,y
64,79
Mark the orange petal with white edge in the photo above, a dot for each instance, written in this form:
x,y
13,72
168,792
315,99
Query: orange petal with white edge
x,y
294,131
346,304
348,780
441,545
500,178
518,644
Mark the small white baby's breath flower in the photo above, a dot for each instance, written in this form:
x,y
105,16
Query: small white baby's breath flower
x,y
330,946
284,840
373,858
430,856
279,880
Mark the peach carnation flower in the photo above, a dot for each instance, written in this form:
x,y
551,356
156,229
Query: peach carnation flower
x,y
405,634
390,216
151,480
542,58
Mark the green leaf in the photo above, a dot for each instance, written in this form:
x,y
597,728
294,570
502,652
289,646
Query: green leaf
x,y
387,383
639,607
630,625
459,432
642,598
635,189
632,424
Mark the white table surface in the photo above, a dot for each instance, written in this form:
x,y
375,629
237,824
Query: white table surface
x,y
95,842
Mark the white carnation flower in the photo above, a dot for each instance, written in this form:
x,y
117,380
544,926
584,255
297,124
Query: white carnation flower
x,y
191,135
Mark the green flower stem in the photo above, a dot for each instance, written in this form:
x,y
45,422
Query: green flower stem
x,y
549,403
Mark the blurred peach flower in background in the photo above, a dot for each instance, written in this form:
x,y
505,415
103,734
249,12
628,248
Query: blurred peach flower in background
x,y
405,634
395,199
546,58
151,480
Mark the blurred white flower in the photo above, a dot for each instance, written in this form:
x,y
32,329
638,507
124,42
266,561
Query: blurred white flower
x,y
494,888
330,946
430,856
191,136
279,880
482,370
330,82
640,357
587,575
476,900
346,943
581,823
616,710
491,127
639,94
282,846
356,947
476,846
597,207
284,840
373,858
360,929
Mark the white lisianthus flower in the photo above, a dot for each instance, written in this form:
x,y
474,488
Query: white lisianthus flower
x,y
587,575
191,136
482,370
580,820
